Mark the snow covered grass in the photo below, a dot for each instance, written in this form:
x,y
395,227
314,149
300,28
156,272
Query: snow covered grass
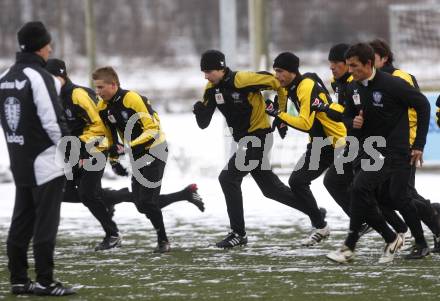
x,y
272,267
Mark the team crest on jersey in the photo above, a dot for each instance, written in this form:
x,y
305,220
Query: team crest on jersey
x,y
12,109
377,99
236,97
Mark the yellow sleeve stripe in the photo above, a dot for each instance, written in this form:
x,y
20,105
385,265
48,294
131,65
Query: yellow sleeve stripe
x,y
245,79
336,107
304,121
81,98
403,75
150,128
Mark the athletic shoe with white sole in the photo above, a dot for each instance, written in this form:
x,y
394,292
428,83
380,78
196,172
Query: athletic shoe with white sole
x,y
53,289
341,255
23,288
162,247
109,242
418,252
390,250
232,240
316,236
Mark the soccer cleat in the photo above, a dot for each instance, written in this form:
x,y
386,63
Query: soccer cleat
x,y
405,246
365,228
316,236
341,255
436,248
109,242
23,288
232,240
162,247
390,250
194,197
53,289
417,252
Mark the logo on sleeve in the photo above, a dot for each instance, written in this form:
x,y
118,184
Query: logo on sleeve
x,y
316,102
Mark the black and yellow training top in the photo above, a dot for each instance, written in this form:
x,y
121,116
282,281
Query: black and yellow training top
x,y
303,91
238,97
339,86
125,104
410,79
83,120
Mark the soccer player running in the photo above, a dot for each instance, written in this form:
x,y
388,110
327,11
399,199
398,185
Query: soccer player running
x,y
84,123
326,135
429,214
382,102
118,109
33,124
237,95
338,184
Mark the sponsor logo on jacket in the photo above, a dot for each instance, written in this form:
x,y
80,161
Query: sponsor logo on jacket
x,y
13,85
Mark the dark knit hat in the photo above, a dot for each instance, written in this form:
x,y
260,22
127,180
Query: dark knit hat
x,y
287,61
57,67
212,60
337,52
33,36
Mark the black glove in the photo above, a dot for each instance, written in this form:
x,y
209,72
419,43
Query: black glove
x,y
319,106
272,108
116,150
281,127
199,108
118,168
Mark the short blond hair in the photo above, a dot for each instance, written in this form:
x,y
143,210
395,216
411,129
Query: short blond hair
x,y
107,74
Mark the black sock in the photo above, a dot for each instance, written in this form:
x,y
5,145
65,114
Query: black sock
x,y
167,199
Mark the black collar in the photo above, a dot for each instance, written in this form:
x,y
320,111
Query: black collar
x,y
68,87
29,58
295,82
343,78
388,68
227,77
118,96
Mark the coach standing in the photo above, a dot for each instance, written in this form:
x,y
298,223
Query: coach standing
x,y
31,118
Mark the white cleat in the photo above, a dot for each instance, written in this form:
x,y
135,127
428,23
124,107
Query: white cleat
x,y
405,239
341,255
316,236
390,250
